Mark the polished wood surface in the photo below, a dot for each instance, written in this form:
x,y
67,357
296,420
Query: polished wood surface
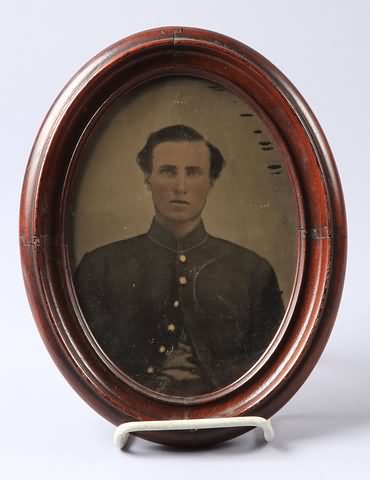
x,y
45,201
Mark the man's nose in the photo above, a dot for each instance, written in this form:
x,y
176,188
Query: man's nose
x,y
180,183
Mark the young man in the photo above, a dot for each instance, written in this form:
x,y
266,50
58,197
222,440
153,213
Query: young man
x,y
176,309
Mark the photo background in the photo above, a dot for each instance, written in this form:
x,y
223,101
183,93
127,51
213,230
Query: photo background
x,y
252,203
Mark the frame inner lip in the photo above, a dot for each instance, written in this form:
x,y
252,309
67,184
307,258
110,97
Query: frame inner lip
x,y
247,377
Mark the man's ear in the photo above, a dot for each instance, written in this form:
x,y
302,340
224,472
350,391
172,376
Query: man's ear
x,y
147,182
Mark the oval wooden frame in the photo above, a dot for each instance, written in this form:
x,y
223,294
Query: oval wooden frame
x,y
130,62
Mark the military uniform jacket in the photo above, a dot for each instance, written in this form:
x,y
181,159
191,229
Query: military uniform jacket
x,y
141,297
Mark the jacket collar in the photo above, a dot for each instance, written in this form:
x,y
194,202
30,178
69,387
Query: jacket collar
x,y
161,236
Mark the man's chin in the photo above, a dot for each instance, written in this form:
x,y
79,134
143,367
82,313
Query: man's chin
x,y
177,218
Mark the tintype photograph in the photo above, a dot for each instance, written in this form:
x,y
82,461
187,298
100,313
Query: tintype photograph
x,y
182,236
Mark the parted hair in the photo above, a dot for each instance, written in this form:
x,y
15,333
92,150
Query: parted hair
x,y
178,133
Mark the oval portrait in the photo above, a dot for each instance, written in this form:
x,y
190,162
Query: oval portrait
x,y
182,237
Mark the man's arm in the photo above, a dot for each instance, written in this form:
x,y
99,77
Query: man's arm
x,y
89,285
268,308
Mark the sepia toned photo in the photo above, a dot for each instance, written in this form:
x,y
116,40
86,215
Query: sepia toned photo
x,y
183,236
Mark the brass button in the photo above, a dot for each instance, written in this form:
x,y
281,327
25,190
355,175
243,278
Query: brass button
x,y
150,370
176,303
183,280
182,258
162,349
171,327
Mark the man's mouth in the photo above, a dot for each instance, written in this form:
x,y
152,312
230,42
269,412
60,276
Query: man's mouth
x,y
180,202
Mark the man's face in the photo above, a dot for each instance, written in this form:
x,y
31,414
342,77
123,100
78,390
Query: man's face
x,y
180,180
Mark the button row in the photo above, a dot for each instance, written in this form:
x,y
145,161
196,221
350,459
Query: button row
x,y
182,279
172,327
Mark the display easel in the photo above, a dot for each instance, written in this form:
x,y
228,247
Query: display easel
x,y
122,432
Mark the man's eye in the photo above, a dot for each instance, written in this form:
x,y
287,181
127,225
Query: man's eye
x,y
169,172
194,172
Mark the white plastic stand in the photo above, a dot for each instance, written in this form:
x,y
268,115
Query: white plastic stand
x,y
121,433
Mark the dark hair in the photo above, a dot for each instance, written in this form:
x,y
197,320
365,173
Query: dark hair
x,y
178,133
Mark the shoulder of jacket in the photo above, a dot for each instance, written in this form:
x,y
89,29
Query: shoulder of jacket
x,y
242,255
121,248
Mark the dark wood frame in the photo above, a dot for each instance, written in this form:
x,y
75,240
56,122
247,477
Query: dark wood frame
x,y
322,231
